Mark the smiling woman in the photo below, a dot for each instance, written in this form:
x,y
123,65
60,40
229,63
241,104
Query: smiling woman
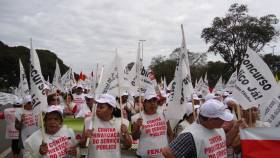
x,y
59,141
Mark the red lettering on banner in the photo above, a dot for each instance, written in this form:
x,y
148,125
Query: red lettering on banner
x,y
155,127
217,147
30,120
154,151
58,147
106,139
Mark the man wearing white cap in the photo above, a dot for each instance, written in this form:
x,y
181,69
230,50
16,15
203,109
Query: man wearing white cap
x,y
26,121
105,132
79,97
86,110
205,138
151,128
188,118
58,141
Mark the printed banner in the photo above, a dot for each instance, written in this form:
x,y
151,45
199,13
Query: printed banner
x,y
255,84
39,98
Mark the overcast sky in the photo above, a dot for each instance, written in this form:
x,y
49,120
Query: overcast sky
x,y
86,32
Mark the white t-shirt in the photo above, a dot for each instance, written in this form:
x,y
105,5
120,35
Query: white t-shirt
x,y
30,123
58,144
83,112
208,143
153,135
11,131
105,142
79,99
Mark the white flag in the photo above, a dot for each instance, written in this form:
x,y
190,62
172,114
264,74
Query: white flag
x,y
39,99
270,112
181,87
219,85
255,84
231,82
138,78
109,83
23,89
67,80
56,82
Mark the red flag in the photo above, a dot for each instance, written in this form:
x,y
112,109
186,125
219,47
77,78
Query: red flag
x,y
260,142
82,76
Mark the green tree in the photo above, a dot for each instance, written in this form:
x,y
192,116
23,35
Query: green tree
x,y
230,36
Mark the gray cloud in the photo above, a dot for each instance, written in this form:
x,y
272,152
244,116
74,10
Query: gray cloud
x,y
87,32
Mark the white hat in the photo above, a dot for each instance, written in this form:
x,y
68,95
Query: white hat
x,y
163,94
79,86
107,98
18,101
149,95
189,108
137,94
209,96
218,93
215,109
226,94
228,99
53,108
124,94
195,97
27,99
90,96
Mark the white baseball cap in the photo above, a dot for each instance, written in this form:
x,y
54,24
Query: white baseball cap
x,y
189,108
18,101
195,97
53,108
107,98
79,86
225,94
90,96
209,96
215,109
228,99
149,95
27,99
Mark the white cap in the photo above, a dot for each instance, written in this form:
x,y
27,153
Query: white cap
x,y
79,86
90,96
215,109
137,94
27,99
218,93
107,98
189,108
225,94
209,96
53,108
149,95
163,94
124,94
228,99
18,101
195,97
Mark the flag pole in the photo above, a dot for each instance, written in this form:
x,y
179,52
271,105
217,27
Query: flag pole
x,y
119,87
